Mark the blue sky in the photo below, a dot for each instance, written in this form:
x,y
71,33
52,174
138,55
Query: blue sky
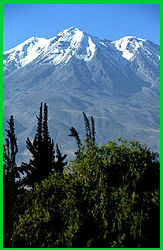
x,y
110,21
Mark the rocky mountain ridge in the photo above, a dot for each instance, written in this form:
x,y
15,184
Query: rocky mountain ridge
x,y
118,82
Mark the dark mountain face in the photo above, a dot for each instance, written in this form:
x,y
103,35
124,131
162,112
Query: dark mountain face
x,y
116,82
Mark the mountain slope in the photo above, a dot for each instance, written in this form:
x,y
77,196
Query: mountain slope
x,y
116,82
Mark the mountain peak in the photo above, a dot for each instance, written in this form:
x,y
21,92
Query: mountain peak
x,y
23,53
70,31
116,82
67,35
29,42
128,45
72,42
32,39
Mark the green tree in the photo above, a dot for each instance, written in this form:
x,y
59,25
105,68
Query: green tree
x,y
75,134
92,129
41,225
89,133
87,128
10,183
60,163
42,150
108,197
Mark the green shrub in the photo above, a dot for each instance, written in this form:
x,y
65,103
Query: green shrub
x,y
107,197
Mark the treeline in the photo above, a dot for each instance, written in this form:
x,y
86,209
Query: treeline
x,y
107,196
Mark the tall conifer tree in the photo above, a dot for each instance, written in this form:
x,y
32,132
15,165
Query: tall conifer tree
x,y
10,185
87,128
75,134
42,150
92,129
60,164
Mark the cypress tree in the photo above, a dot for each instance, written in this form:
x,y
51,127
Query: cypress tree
x,y
92,129
87,128
10,185
75,134
42,150
60,164
48,145
89,136
11,144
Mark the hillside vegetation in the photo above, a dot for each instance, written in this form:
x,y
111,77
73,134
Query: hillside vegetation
x,y
107,196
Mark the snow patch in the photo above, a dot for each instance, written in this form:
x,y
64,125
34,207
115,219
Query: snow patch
x,y
25,53
128,45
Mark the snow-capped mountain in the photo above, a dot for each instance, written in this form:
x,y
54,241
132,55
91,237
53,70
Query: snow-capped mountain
x,y
115,81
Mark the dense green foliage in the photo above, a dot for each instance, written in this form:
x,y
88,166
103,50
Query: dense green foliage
x,y
108,197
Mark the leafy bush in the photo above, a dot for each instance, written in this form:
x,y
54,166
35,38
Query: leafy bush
x,y
107,197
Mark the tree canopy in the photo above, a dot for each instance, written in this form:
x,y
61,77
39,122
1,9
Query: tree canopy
x,y
109,197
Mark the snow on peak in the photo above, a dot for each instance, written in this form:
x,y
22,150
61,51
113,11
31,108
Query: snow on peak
x,y
59,49
128,45
68,43
28,43
86,49
68,35
72,42
70,30
24,53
